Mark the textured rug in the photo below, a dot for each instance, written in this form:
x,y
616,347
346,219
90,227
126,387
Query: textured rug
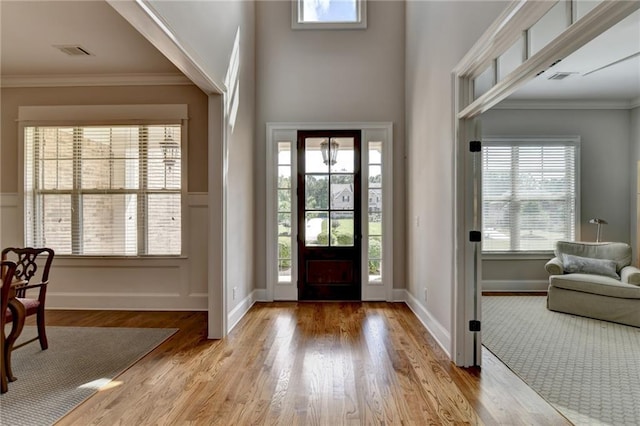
x,y
588,369
79,361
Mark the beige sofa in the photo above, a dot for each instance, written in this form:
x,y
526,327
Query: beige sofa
x,y
594,280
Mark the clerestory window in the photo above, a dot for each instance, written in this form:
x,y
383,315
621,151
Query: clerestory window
x,y
328,14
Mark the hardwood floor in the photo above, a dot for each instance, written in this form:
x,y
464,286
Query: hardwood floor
x,y
303,363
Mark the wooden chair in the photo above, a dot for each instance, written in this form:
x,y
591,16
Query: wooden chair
x,y
8,271
26,270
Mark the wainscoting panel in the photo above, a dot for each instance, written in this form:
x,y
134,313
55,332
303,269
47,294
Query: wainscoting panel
x,y
125,283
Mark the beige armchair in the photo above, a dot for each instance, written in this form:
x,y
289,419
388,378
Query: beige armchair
x,y
594,280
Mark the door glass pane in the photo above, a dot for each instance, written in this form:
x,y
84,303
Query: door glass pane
x,y
375,176
284,153
375,270
317,192
284,270
375,152
284,177
315,160
284,223
342,229
342,195
316,229
375,247
341,154
284,200
375,224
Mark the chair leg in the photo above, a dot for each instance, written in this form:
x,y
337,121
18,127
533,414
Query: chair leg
x,y
4,382
42,335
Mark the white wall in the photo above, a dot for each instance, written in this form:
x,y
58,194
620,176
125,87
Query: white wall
x,y
604,174
330,76
215,35
438,34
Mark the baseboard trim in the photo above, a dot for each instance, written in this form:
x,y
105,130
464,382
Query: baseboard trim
x,y
260,295
511,286
241,309
125,302
437,331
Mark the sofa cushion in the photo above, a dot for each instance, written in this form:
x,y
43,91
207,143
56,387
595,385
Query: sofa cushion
x,y
595,284
618,252
588,265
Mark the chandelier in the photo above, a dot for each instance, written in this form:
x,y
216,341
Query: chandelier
x,y
329,151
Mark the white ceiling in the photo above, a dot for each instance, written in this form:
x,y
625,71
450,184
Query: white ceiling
x,y
595,71
29,29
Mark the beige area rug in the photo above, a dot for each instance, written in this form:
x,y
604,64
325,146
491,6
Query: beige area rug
x,y
588,369
79,361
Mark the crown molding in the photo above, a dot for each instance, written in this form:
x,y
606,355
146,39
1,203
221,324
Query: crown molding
x,y
567,104
93,80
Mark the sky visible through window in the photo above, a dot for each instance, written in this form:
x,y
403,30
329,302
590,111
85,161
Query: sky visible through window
x,y
329,11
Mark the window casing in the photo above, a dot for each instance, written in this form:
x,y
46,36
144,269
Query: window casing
x,y
530,193
328,14
104,190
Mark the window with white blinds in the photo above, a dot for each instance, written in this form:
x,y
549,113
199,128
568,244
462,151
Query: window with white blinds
x,y
529,193
104,190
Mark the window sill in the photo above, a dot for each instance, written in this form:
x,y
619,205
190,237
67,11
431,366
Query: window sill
x,y
120,261
529,255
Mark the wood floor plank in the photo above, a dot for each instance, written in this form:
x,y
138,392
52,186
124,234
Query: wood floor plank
x,y
303,364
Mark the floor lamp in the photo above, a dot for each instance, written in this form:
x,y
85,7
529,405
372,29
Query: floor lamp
x,y
598,222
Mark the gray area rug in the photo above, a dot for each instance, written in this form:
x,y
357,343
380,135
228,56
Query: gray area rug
x,y
78,362
588,369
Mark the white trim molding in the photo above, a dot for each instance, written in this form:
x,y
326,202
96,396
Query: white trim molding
x,y
437,330
508,286
8,81
567,104
143,17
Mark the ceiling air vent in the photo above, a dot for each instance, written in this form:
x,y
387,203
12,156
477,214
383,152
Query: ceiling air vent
x,y
560,75
73,50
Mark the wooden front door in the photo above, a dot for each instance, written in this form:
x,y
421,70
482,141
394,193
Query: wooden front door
x,y
329,237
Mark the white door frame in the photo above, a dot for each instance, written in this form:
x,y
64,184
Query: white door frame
x,y
277,132
517,17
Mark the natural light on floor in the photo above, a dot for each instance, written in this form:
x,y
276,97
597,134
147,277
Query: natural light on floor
x,y
101,384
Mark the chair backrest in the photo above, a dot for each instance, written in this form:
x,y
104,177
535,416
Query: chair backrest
x,y
618,252
8,272
28,260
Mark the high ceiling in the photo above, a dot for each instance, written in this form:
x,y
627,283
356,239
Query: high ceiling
x,y
30,30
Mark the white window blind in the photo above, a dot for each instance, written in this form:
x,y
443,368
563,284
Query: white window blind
x,y
529,194
104,190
